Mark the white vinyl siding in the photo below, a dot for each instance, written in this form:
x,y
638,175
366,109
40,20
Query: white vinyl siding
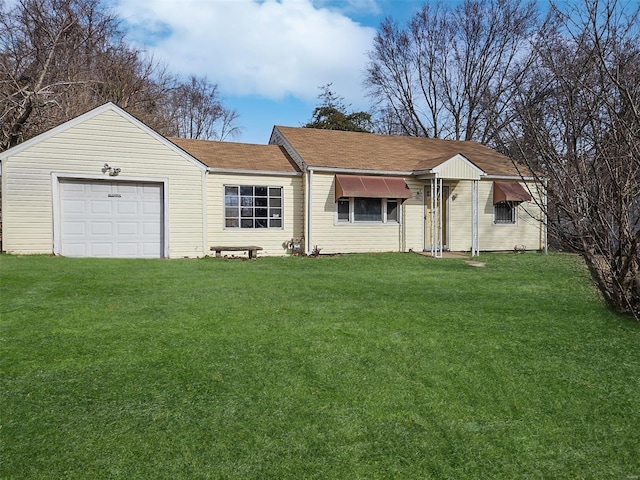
x,y
527,231
332,236
83,149
458,168
272,240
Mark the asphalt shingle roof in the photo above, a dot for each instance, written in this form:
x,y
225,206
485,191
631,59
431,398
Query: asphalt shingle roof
x,y
238,156
345,150
368,151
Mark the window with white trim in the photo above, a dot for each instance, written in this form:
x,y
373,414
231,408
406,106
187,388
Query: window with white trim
x,y
367,210
251,206
505,213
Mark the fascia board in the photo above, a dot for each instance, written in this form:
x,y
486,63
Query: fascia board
x,y
277,138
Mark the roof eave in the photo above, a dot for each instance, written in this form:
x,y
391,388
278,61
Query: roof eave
x,y
491,176
362,171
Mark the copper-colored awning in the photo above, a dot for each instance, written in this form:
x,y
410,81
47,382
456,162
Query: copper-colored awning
x,y
509,192
371,187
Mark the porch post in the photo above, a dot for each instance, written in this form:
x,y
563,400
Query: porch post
x,y
436,217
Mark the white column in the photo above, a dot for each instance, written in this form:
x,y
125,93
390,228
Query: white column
x,y
436,217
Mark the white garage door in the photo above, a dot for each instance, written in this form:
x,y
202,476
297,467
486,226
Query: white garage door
x,y
111,219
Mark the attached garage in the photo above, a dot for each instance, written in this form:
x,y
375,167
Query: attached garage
x,y
111,219
103,185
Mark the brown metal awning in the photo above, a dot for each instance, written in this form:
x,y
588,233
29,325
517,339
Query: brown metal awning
x,y
509,192
371,187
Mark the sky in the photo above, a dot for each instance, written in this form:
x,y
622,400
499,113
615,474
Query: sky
x,y
269,58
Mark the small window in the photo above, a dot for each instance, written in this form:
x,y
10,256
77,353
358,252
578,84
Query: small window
x,y
343,210
248,206
392,210
505,213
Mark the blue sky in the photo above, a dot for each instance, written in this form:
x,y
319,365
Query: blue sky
x,y
268,57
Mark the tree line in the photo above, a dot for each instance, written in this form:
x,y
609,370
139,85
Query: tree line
x,y
61,58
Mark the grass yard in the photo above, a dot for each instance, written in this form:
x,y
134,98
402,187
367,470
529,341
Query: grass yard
x,y
348,367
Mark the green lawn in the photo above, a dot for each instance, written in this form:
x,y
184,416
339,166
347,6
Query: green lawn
x,y
346,367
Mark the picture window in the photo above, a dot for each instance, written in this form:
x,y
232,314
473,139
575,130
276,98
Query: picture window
x,y
248,206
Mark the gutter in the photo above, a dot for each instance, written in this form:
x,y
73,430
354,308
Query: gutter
x,y
362,171
489,176
254,172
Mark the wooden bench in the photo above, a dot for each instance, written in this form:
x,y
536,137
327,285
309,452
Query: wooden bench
x,y
252,250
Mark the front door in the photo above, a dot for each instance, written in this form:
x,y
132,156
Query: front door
x,y
431,218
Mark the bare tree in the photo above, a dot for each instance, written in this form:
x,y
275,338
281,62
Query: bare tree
x,y
578,127
228,126
196,111
61,58
451,73
47,48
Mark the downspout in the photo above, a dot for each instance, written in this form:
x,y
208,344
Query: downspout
x,y
205,202
403,231
309,210
473,218
478,217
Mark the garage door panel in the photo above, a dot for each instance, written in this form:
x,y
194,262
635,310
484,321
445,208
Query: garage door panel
x,y
150,250
75,229
128,228
128,249
127,207
74,206
101,228
76,187
151,229
149,191
101,207
127,188
76,249
98,249
111,218
151,208
98,187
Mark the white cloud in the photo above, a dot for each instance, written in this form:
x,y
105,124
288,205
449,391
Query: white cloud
x,y
269,48
359,7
